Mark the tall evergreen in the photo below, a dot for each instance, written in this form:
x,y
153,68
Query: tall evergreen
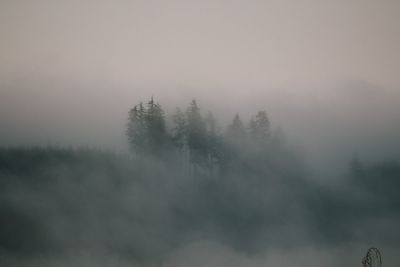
x,y
178,134
234,143
131,127
213,142
136,129
236,132
260,127
156,129
196,135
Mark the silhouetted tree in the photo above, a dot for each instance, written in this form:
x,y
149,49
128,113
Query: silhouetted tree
x,y
156,132
213,143
260,127
236,132
136,129
179,137
196,135
233,143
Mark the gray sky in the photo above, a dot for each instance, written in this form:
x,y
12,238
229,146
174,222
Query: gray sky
x,y
69,70
230,43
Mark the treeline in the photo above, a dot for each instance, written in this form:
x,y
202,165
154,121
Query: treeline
x,y
195,139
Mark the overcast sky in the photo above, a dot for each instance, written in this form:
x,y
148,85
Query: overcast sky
x,y
70,70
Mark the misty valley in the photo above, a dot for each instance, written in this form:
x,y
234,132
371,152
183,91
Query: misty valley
x,y
192,188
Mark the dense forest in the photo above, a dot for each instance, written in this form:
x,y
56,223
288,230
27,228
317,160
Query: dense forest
x,y
187,180
199,145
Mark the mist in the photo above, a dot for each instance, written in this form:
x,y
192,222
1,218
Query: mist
x,y
307,175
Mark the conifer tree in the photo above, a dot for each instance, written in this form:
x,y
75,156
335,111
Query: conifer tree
x,y
236,132
155,128
196,135
179,137
136,128
260,127
213,142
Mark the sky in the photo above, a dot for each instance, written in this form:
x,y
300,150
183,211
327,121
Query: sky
x,y
323,70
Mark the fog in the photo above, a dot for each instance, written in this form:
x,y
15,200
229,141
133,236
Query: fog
x,y
328,121
321,191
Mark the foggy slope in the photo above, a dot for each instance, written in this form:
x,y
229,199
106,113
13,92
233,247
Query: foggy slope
x,y
59,201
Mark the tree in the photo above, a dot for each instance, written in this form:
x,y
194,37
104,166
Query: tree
x,y
236,132
196,135
136,128
260,127
213,142
179,137
155,128
234,144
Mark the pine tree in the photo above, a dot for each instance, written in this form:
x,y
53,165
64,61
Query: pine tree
x,y
260,127
236,132
155,128
131,127
234,144
213,142
196,135
179,137
136,129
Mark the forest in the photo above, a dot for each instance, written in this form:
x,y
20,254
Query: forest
x,y
186,180
198,143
